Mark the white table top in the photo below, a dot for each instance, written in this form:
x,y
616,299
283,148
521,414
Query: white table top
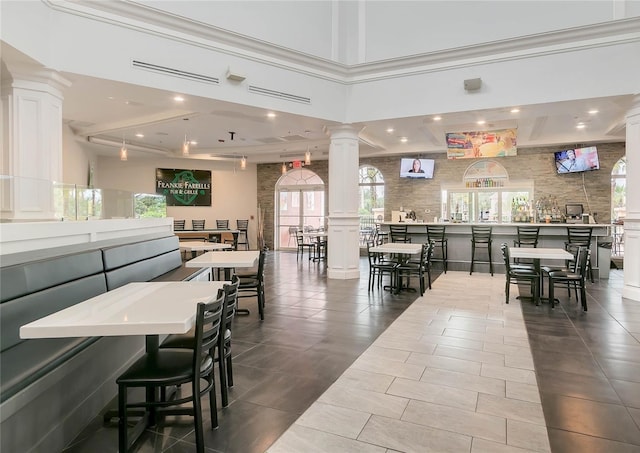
x,y
241,258
197,246
315,234
540,253
146,308
397,247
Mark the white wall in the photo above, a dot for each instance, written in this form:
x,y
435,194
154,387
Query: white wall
x,y
234,193
75,160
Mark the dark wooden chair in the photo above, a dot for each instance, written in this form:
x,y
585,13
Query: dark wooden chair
x,y
580,236
243,235
222,224
197,225
178,225
421,268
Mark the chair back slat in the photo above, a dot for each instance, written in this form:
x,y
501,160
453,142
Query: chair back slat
x,y
208,319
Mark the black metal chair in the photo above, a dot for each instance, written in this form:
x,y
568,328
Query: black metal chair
x,y
158,370
243,235
381,236
398,233
579,236
516,274
222,224
253,286
178,225
420,268
223,356
303,245
378,267
197,224
436,234
527,237
577,279
481,238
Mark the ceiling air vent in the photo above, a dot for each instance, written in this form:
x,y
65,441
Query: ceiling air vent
x,y
279,94
175,72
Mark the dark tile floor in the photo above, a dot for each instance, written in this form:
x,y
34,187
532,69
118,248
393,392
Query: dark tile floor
x,y
314,329
588,369
587,364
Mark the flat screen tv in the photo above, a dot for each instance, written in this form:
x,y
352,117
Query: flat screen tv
x,y
416,168
577,160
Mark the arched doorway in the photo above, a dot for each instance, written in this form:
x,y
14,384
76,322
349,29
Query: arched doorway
x,y
300,203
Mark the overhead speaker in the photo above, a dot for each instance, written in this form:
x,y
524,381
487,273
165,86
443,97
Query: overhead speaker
x,y
236,77
472,84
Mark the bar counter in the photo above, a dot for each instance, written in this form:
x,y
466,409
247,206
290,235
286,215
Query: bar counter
x,y
552,235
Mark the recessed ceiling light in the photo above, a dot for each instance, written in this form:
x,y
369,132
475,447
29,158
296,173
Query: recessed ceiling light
x,y
404,139
593,112
390,130
515,110
481,122
437,118
178,99
140,135
271,115
581,126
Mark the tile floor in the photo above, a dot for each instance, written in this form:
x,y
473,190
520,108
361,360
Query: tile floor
x,y
456,371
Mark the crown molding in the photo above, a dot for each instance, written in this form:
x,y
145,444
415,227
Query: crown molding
x,y
146,19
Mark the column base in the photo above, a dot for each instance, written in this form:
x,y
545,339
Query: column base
x,y
341,274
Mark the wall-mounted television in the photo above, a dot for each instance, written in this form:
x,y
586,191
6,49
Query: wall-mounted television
x,y
577,160
416,168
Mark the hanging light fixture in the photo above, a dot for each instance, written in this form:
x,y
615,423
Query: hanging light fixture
x,y
123,151
284,168
243,163
185,146
307,157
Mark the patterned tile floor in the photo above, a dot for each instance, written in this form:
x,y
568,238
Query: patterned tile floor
x,y
337,368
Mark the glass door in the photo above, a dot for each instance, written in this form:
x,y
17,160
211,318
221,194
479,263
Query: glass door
x,y
298,209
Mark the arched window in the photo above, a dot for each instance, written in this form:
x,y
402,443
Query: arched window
x,y
300,204
371,209
618,205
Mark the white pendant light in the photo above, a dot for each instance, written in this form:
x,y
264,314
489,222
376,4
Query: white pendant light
x,y
243,163
284,168
185,146
307,157
123,151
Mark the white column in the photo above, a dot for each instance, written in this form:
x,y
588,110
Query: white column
x,y
631,288
343,254
32,141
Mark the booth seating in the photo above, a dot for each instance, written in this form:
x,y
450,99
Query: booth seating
x,y
34,289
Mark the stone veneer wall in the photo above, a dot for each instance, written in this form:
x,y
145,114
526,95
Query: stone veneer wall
x,y
422,195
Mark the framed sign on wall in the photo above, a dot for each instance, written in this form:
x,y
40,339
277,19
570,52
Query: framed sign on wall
x,y
184,187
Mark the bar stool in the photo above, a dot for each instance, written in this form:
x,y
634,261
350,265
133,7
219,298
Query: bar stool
x,y
243,233
436,234
222,224
580,237
399,233
481,238
381,236
527,237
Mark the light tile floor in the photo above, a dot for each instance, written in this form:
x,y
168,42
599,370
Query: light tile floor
x,y
454,373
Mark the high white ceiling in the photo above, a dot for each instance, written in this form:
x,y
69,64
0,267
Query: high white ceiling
x,y
112,111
